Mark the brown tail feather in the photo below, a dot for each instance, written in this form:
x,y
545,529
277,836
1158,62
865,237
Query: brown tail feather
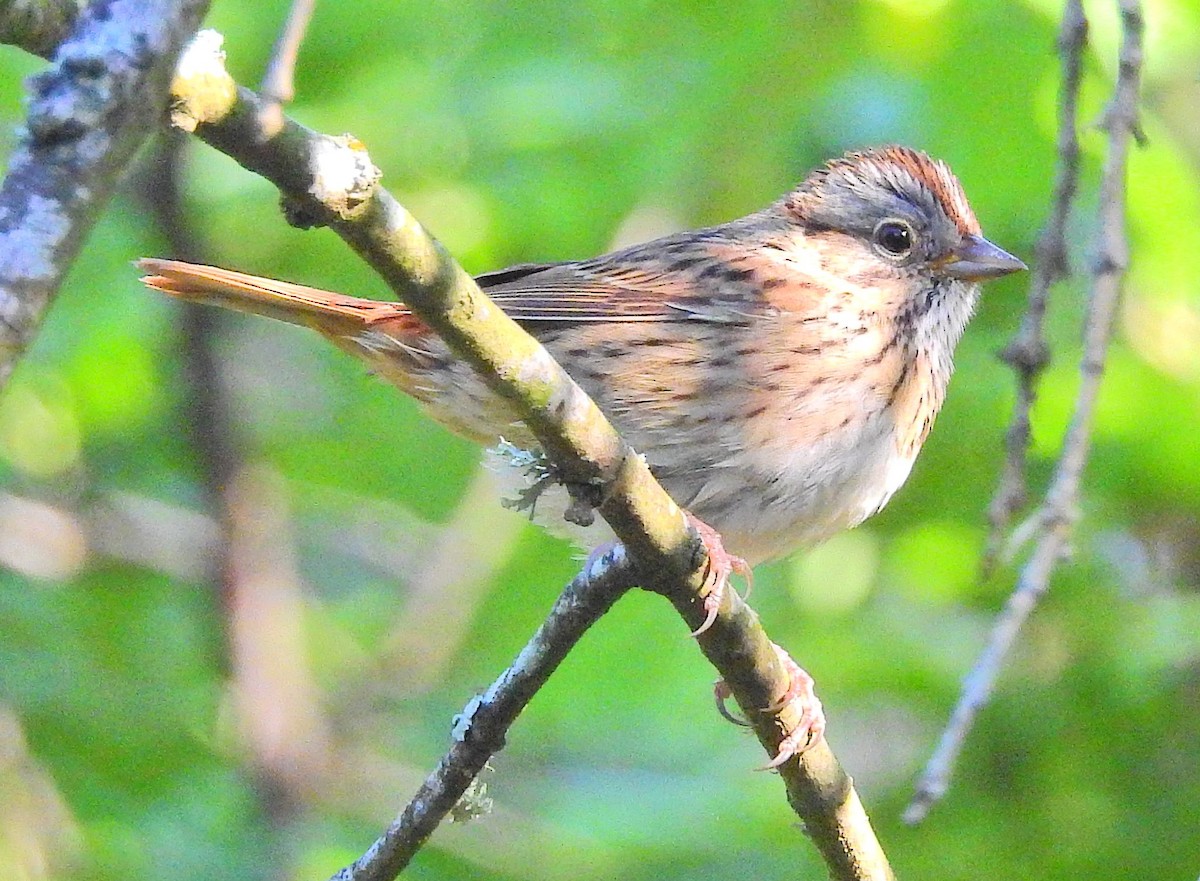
x,y
333,314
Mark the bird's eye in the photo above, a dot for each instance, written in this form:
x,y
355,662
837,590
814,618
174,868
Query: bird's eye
x,y
895,237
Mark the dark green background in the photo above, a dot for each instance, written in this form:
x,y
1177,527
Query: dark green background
x,y
538,131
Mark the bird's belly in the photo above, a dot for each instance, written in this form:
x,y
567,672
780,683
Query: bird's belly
x,y
769,507
763,504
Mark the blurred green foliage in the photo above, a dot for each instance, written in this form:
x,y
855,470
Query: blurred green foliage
x,y
148,729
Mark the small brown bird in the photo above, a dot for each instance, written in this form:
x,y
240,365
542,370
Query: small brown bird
x,y
779,372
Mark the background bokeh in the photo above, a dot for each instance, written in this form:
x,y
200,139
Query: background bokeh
x,y
152,725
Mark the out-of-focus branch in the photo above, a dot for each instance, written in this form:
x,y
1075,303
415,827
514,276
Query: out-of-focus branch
x,y
88,114
256,589
206,412
279,83
47,540
279,715
42,540
331,181
1059,510
1028,353
38,26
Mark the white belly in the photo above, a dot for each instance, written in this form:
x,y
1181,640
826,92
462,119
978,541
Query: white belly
x,y
764,505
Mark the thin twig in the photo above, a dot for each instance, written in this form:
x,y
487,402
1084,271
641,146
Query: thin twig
x,y
88,114
479,732
1060,509
331,181
279,82
1027,353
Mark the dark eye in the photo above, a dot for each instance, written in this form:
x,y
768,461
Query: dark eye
x,y
895,237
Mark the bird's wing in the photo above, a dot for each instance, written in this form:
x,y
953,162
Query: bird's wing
x,y
630,286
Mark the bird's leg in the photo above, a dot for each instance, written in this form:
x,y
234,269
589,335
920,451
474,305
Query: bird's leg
x,y
800,694
721,566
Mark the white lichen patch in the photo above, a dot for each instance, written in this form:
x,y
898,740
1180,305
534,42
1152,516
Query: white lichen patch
x,y
462,722
202,88
539,368
29,248
202,56
343,174
597,564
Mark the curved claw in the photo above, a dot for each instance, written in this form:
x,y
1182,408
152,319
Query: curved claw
x,y
721,565
800,693
722,693
712,605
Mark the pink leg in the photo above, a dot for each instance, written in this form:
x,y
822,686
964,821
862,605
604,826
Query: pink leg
x,y
800,694
721,565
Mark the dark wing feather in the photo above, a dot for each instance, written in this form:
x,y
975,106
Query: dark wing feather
x,y
614,290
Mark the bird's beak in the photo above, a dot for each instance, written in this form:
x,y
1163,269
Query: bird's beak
x,y
977,259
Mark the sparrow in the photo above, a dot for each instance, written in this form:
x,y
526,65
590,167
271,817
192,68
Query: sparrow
x,y
779,372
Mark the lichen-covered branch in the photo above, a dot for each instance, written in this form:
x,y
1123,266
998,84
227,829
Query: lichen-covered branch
x,y
330,181
1058,512
88,113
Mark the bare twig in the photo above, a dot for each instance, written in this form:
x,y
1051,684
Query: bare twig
x,y
88,114
480,730
1059,510
331,181
206,413
1027,353
44,540
279,85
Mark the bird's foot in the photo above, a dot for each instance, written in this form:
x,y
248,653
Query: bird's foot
x,y
801,695
721,566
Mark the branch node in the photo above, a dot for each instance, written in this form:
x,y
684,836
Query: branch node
x,y
585,499
1027,354
343,176
303,213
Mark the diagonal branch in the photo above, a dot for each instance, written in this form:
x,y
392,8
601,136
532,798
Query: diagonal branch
x,y
38,26
278,85
1027,353
480,730
330,181
88,114
1060,509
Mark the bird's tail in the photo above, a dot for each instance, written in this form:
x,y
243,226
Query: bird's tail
x,y
335,315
